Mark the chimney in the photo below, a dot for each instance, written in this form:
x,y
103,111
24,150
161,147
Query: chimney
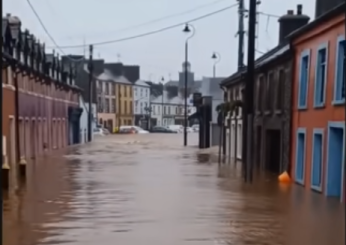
x,y
291,22
324,6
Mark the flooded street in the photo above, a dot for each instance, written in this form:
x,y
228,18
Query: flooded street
x,y
149,189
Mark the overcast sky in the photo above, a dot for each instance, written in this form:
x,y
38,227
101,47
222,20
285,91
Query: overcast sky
x,y
74,22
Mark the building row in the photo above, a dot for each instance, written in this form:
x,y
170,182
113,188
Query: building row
x,y
122,98
299,101
41,108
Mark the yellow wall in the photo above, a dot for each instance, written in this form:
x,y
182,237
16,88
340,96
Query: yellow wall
x,y
124,104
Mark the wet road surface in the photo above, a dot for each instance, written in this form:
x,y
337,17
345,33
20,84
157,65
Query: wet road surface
x,y
148,189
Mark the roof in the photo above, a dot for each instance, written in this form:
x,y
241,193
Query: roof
x,y
141,83
270,56
338,10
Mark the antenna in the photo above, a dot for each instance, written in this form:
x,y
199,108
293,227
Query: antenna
x,y
119,57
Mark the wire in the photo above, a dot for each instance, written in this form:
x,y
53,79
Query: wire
x,y
269,15
166,17
49,35
152,32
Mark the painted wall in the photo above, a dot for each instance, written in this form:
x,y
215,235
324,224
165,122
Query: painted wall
x,y
124,104
312,118
8,112
84,119
141,99
43,111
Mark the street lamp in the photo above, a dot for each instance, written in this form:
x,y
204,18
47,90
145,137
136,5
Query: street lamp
x,y
188,29
217,57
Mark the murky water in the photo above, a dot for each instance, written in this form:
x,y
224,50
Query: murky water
x,y
148,189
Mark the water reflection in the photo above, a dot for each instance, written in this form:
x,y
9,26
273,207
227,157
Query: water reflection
x,y
130,189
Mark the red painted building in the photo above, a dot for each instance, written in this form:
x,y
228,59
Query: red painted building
x,y
318,120
48,101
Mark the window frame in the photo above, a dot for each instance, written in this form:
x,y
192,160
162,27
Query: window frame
x,y
319,132
304,54
320,102
337,99
300,131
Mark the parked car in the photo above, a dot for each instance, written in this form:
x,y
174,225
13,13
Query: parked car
x,y
195,127
176,128
128,129
98,132
158,129
189,130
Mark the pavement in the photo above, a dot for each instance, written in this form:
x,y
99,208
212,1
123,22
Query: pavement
x,y
149,189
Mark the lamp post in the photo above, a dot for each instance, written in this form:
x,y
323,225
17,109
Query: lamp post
x,y
217,57
188,29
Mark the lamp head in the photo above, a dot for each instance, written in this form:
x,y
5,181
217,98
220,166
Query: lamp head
x,y
214,56
187,29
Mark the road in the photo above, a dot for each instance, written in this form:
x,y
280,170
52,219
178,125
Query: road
x,y
148,189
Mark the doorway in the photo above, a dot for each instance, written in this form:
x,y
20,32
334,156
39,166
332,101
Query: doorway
x,y
273,151
336,154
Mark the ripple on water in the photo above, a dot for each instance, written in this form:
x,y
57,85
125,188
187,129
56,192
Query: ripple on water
x,y
135,189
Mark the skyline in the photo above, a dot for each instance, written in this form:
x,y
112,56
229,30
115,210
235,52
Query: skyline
x,y
158,55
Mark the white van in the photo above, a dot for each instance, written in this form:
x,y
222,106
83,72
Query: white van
x,y
176,128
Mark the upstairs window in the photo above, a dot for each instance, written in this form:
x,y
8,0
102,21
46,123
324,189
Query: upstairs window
x,y
321,76
280,90
339,83
303,81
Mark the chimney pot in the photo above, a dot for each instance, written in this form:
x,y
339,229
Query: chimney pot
x,y
299,9
8,15
290,12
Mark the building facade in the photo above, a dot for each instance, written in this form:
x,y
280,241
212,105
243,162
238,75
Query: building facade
x,y
166,110
106,101
46,114
85,118
318,123
124,108
141,104
234,86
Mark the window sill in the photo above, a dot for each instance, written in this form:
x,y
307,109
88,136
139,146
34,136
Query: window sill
x,y
316,188
267,112
301,108
278,111
338,102
320,106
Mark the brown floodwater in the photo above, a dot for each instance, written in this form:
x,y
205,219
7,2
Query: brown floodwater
x,y
148,189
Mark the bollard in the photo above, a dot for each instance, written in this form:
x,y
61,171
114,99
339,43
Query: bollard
x,y
22,167
5,173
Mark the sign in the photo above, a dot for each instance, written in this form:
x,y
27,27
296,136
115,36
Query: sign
x,y
197,99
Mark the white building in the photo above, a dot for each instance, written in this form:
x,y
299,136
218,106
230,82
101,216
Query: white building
x,y
168,111
84,119
141,102
235,141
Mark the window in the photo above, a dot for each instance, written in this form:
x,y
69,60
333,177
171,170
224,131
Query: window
x,y
125,90
269,94
107,106
317,160
131,107
113,105
125,107
113,89
169,110
259,84
320,76
303,80
339,86
300,156
280,90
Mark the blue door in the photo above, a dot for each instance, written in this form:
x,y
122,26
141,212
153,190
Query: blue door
x,y
335,159
300,156
317,160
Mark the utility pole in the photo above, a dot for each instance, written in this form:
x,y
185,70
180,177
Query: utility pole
x,y
241,33
91,70
249,90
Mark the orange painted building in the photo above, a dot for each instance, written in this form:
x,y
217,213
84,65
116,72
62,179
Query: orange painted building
x,y
318,119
